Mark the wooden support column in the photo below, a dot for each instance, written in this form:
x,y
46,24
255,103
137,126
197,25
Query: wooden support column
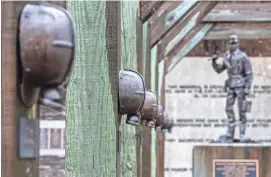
x,y
146,152
113,44
12,166
154,87
139,43
128,60
160,137
93,125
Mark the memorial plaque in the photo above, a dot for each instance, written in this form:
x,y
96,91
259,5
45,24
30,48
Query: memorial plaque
x,y
235,168
28,138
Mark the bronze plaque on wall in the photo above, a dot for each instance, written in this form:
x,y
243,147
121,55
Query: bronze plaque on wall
x,y
235,168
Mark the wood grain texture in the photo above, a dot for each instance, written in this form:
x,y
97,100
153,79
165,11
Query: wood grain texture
x,y
186,25
91,118
128,152
147,9
240,12
243,30
253,47
167,16
12,166
203,156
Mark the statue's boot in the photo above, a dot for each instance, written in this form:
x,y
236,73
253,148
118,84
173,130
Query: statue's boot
x,y
242,127
230,133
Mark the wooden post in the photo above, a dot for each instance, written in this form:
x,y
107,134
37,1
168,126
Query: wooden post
x,y
92,119
160,139
154,87
12,166
128,60
139,43
146,152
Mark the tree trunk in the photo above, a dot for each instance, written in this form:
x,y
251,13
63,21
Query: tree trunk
x,y
12,166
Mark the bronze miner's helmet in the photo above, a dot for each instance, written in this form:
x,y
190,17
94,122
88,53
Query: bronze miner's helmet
x,y
47,47
159,119
131,95
150,109
168,123
164,123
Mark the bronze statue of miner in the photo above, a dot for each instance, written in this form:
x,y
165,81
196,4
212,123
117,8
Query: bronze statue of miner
x,y
238,84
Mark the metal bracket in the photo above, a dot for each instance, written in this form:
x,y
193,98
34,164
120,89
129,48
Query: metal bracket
x,y
28,138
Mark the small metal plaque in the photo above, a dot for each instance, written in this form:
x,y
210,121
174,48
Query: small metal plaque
x,y
28,145
235,168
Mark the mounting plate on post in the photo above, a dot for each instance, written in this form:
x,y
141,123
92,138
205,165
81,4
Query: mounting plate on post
x,y
28,138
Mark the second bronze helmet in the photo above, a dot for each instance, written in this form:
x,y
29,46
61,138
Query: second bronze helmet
x,y
150,109
131,95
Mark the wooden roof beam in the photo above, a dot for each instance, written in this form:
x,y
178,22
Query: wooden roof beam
x,y
167,16
240,12
244,31
183,27
148,8
189,42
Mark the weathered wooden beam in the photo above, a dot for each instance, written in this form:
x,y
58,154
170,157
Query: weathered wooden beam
x,y
244,31
154,87
95,74
128,43
146,151
182,28
167,16
11,165
139,43
147,8
160,137
253,47
240,12
190,41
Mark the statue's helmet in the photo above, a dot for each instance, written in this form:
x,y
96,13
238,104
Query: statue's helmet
x,y
46,49
233,42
